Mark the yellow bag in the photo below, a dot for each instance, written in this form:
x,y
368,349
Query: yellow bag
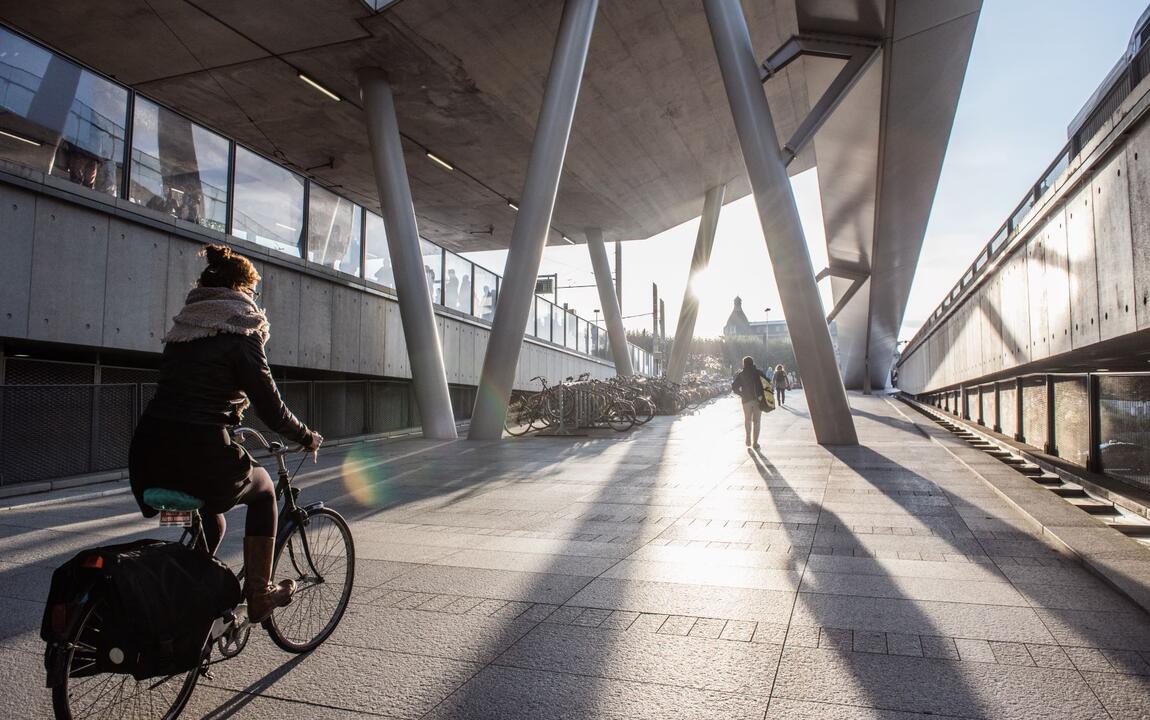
x,y
766,396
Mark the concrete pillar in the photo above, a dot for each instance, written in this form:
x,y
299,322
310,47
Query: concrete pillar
x,y
609,303
779,215
533,223
689,311
415,309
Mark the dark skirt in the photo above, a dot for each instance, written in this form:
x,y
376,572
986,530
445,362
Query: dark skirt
x,y
200,460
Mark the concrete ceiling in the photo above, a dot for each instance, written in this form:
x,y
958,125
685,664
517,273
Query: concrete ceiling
x,y
652,130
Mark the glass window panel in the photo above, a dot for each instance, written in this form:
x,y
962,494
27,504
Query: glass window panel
x,y
433,269
378,265
531,317
585,336
486,293
570,339
178,167
268,204
334,227
59,118
457,289
557,325
543,319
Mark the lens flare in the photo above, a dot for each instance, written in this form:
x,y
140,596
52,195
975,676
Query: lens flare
x,y
365,477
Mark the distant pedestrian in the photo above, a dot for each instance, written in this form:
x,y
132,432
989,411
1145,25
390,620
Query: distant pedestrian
x,y
780,382
749,386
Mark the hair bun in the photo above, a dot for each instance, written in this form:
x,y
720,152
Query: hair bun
x,y
217,254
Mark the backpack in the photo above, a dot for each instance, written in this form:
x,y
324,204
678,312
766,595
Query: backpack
x,y
158,601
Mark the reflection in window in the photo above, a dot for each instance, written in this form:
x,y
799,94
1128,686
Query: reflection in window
x,y
58,118
433,268
378,266
557,325
178,167
585,336
268,204
542,319
531,316
334,227
457,283
572,334
486,287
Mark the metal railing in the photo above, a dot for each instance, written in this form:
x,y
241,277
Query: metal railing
x,y
986,260
1096,421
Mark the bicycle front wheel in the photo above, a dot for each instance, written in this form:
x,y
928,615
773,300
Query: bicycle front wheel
x,y
319,555
85,691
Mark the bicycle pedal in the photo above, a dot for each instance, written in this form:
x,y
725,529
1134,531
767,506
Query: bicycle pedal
x,y
206,673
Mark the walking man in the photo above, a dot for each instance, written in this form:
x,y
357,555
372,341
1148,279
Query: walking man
x,y
749,386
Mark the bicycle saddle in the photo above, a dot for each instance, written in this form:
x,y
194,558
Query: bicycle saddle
x,y
171,500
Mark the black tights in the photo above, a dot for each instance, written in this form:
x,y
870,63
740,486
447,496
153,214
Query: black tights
x,y
260,497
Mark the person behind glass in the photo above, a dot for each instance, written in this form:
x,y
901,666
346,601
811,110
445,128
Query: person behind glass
x,y
213,367
780,383
465,293
451,290
749,387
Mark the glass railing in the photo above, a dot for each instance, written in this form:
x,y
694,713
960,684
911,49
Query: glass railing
x,y
202,178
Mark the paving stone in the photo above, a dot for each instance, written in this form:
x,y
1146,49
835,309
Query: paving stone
x,y
738,630
1049,656
649,622
872,642
520,694
974,650
619,620
1088,659
1127,697
938,647
938,687
678,599
677,625
770,633
710,628
803,636
1011,653
592,617
903,644
651,657
565,615
486,607
1127,661
836,638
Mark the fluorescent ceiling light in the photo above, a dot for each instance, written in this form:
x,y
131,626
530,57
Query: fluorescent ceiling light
x,y
567,240
319,87
286,227
513,206
20,138
439,161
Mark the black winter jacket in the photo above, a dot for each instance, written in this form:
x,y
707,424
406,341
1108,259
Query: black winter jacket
x,y
747,384
210,381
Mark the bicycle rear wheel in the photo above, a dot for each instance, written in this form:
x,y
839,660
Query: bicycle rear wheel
x,y
84,692
320,557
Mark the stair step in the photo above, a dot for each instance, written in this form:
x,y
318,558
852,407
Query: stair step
x,y
1069,491
1047,479
1132,529
1092,506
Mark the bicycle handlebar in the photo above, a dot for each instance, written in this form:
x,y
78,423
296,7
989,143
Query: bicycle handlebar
x,y
240,434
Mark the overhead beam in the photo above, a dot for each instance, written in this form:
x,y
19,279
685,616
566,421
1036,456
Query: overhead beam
x,y
779,215
533,222
689,311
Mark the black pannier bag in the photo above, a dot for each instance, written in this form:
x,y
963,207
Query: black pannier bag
x,y
157,601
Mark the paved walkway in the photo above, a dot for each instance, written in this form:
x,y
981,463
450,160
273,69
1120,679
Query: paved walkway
x,y
666,573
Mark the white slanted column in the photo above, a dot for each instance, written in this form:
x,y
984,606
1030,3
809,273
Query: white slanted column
x,y
608,302
415,309
689,312
779,215
533,223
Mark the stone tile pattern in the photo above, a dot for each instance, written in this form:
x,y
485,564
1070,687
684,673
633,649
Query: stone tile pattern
x,y
664,573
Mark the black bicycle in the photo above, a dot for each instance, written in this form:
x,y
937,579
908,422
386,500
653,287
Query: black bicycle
x,y
313,546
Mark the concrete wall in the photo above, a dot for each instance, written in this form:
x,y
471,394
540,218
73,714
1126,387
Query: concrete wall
x,y
81,269
1077,273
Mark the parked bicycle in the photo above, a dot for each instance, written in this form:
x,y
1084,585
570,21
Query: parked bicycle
x,y
313,546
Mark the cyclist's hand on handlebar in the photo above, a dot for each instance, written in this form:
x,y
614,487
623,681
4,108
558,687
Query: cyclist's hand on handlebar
x,y
312,446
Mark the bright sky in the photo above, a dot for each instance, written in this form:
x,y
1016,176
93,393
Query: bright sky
x,y
1033,65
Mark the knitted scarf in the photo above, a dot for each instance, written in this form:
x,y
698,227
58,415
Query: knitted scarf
x,y
212,310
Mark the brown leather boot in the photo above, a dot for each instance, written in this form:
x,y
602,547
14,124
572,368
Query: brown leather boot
x,y
263,597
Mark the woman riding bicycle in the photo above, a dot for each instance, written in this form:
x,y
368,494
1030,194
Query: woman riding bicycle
x,y
213,367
